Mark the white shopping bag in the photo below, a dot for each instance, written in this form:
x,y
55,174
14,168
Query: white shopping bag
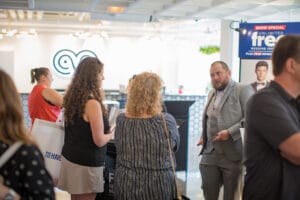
x,y
50,139
60,118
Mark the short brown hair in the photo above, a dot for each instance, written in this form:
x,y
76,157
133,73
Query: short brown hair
x,y
287,47
222,63
260,64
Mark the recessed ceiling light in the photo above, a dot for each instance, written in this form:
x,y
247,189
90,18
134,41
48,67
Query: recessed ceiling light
x,y
115,9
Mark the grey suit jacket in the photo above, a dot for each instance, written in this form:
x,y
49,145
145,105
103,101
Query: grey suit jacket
x,y
231,116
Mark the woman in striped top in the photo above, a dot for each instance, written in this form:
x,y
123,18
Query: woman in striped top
x,y
143,166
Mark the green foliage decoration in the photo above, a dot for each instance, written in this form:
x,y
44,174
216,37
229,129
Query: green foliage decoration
x,y
209,50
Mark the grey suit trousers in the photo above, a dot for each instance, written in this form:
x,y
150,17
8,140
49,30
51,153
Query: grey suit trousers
x,y
223,172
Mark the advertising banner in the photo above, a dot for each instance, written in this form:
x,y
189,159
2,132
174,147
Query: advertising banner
x,y
257,40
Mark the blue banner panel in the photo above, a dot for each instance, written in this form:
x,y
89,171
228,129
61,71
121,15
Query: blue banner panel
x,y
258,39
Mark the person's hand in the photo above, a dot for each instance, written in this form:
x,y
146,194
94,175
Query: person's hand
x,y
4,190
200,142
110,135
222,136
113,128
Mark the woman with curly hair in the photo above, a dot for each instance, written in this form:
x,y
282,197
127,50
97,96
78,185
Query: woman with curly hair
x,y
23,175
143,165
86,132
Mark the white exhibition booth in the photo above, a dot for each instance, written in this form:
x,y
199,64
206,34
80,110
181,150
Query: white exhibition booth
x,y
173,53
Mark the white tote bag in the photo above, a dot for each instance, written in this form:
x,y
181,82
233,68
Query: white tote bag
x,y
50,138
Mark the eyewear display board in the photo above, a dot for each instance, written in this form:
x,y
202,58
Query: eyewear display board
x,y
257,40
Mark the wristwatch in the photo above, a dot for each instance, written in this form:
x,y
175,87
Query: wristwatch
x,y
10,195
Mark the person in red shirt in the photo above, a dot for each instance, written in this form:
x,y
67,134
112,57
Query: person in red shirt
x,y
43,102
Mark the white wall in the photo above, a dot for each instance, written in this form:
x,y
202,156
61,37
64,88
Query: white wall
x,y
176,60
7,62
229,48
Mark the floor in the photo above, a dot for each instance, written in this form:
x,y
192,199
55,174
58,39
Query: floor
x,y
192,187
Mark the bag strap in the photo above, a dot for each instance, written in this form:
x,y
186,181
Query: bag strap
x,y
170,151
9,153
169,143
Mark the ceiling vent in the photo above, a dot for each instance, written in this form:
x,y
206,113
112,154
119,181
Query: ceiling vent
x,y
17,4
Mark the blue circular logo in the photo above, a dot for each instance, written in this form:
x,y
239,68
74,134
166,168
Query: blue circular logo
x,y
65,61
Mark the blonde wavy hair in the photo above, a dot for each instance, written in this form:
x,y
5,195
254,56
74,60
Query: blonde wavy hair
x,y
84,86
144,95
12,126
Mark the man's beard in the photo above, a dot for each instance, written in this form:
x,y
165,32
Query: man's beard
x,y
222,87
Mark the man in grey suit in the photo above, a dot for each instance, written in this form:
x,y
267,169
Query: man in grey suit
x,y
221,163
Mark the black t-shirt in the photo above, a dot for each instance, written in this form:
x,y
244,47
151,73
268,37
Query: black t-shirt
x,y
271,118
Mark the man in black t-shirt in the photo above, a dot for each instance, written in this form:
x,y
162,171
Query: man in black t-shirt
x,y
272,140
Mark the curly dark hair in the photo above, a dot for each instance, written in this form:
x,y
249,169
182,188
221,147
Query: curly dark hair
x,y
84,86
